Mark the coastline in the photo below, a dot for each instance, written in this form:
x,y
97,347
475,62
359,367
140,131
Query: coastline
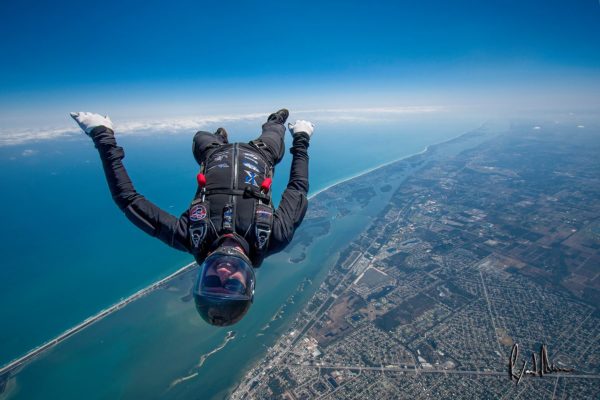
x,y
37,351
403,158
361,173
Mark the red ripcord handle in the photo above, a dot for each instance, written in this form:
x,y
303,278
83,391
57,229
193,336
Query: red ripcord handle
x,y
265,186
201,179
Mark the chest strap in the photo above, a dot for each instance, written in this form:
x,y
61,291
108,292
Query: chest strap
x,y
245,193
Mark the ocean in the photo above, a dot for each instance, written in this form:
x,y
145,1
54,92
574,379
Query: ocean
x,y
68,253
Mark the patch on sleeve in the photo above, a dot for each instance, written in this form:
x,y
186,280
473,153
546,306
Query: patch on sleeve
x,y
263,223
198,213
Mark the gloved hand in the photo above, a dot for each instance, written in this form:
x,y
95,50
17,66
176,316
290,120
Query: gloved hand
x,y
88,121
301,126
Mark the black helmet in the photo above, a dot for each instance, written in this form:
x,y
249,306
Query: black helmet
x,y
224,290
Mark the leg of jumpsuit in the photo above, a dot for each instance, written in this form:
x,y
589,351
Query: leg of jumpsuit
x,y
204,142
272,135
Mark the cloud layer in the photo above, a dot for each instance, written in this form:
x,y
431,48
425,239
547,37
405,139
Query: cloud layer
x,y
187,124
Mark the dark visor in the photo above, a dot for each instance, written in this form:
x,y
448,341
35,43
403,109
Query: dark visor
x,y
231,285
226,276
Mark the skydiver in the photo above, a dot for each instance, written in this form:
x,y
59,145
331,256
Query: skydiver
x,y
230,226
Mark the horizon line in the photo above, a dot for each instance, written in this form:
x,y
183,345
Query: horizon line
x,y
186,123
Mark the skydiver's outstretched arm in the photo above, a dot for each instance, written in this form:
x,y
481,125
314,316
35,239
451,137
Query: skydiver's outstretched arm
x,y
294,201
143,213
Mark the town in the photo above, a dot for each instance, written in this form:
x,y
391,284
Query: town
x,y
477,250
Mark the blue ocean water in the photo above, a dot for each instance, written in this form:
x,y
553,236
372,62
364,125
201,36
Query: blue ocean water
x,y
67,251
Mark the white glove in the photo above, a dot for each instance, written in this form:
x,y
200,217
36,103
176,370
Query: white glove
x,y
88,121
301,126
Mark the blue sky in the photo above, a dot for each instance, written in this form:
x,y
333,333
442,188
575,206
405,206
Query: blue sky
x,y
150,57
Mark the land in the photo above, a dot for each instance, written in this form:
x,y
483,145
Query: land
x,y
486,241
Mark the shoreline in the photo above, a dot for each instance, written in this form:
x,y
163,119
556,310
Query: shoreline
x,y
361,173
37,351
364,172
9,367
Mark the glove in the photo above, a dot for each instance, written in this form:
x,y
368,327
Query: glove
x,y
88,121
301,126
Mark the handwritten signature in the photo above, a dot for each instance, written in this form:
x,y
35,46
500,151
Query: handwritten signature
x,y
545,366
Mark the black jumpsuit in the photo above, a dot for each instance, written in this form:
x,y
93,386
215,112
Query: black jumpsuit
x,y
174,231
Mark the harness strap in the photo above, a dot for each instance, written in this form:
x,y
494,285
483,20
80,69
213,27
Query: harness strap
x,y
246,193
201,228
261,147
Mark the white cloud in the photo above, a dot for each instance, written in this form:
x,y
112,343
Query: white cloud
x,y
29,152
30,135
182,124
377,110
364,114
187,124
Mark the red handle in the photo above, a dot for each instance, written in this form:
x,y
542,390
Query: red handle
x,y
265,186
201,179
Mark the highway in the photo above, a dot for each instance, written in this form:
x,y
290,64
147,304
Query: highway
x,y
11,366
412,370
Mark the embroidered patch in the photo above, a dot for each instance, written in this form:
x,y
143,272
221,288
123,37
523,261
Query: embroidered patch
x,y
222,165
221,157
195,239
252,167
197,213
253,156
263,221
263,217
250,178
252,160
228,217
221,154
262,235
198,235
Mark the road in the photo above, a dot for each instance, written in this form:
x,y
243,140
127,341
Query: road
x,y
411,370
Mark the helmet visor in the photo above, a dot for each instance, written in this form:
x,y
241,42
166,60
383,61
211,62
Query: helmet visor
x,y
226,276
